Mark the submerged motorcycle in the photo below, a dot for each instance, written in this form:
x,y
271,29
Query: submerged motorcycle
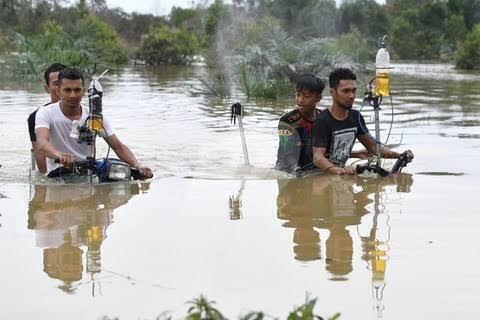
x,y
99,171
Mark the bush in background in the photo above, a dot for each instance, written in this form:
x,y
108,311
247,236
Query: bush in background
x,y
165,45
468,56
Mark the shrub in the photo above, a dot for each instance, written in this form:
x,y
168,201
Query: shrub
x,y
103,39
468,55
168,46
355,46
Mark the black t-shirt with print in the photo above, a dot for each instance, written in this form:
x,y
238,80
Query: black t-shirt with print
x,y
295,142
336,136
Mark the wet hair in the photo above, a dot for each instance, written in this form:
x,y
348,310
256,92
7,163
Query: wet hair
x,y
71,74
54,67
310,82
340,74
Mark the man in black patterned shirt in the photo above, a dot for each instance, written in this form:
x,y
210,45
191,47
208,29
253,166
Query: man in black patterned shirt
x,y
295,127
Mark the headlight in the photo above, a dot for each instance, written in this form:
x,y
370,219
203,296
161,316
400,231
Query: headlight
x,y
119,171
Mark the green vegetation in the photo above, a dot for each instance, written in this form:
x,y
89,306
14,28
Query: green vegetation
x,y
164,45
259,46
203,309
468,56
103,40
3,43
93,42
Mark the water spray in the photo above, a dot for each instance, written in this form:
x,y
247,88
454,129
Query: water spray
x,y
236,112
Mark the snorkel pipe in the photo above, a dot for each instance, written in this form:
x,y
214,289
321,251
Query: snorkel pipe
x,y
374,97
93,125
95,116
236,112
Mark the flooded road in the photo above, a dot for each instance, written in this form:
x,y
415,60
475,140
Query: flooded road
x,y
248,238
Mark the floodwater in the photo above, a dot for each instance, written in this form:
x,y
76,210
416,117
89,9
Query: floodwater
x,y
250,238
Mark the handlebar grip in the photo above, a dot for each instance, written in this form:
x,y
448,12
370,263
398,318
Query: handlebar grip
x,y
137,174
360,168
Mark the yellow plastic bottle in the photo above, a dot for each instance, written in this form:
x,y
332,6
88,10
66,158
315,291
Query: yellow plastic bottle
x,y
95,123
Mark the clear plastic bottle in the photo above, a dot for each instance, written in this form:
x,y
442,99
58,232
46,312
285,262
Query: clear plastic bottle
x,y
382,66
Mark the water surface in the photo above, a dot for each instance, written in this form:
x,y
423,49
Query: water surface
x,y
249,238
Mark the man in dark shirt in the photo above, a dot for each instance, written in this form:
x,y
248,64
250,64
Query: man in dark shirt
x,y
51,87
336,129
295,127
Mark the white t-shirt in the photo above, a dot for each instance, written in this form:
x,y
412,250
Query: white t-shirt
x,y
52,118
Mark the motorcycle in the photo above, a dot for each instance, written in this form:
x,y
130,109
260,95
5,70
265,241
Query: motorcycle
x,y
100,171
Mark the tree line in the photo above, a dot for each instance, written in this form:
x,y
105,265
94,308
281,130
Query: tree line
x,y
89,32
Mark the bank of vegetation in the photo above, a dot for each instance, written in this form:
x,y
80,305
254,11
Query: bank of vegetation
x,y
257,45
202,308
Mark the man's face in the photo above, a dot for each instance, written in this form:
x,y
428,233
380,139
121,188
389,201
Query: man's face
x,y
344,94
52,87
71,92
307,100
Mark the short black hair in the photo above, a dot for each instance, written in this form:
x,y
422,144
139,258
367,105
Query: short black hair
x,y
340,74
71,74
310,82
54,67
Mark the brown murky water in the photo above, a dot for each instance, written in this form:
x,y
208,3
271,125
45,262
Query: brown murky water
x,y
249,238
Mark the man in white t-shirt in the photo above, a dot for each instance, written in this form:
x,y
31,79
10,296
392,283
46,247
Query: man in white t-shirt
x,y
54,124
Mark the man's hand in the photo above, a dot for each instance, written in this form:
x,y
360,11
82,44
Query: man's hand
x,y
146,173
348,170
66,159
409,154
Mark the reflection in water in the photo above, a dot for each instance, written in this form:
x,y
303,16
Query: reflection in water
x,y
334,203
68,217
235,203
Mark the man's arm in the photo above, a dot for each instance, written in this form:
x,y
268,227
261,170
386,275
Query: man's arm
x,y
39,158
326,166
45,148
361,154
369,143
125,154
